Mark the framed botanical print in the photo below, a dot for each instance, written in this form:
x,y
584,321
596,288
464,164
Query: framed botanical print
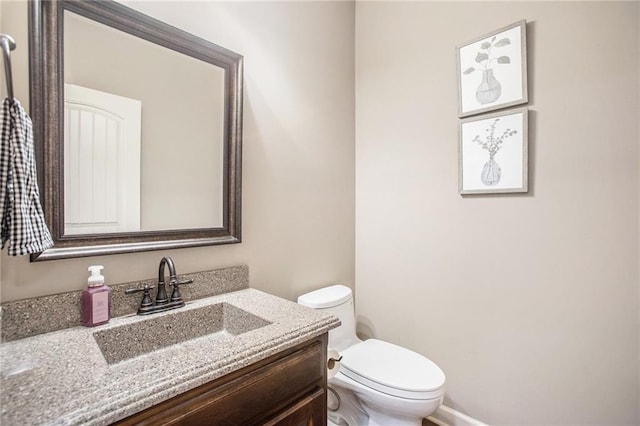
x,y
492,71
493,155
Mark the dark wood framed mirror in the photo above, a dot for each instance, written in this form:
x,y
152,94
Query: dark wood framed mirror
x,y
185,94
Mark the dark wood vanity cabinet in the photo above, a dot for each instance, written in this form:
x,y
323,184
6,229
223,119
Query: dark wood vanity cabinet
x,y
287,389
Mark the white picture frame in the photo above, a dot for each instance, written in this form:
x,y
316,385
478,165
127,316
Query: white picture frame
x,y
492,70
493,153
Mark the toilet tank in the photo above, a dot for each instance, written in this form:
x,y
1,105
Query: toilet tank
x,y
337,300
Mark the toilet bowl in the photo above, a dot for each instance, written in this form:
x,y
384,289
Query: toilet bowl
x,y
379,383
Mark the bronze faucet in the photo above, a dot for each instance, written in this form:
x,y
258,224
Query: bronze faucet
x,y
162,303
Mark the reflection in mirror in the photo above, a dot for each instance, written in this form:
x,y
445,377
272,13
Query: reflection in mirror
x,y
121,83
101,162
138,131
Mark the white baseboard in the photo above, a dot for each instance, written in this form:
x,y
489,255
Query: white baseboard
x,y
446,416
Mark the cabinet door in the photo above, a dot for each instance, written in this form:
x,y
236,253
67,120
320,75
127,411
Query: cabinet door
x,y
309,411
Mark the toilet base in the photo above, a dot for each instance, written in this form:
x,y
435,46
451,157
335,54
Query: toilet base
x,y
361,406
377,418
345,408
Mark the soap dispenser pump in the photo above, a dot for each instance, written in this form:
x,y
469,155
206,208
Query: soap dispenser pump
x,y
96,299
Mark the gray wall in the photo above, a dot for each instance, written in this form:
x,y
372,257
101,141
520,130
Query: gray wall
x,y
529,303
298,177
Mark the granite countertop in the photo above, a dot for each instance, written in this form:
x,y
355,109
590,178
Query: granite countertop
x,y
63,378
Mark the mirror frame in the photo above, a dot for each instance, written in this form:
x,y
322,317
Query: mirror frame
x,y
46,76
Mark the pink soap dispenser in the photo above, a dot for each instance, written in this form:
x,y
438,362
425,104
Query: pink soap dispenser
x,y
96,299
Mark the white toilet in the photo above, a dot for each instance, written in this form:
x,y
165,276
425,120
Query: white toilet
x,y
379,383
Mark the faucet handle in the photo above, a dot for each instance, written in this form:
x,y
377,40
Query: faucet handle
x,y
146,297
175,294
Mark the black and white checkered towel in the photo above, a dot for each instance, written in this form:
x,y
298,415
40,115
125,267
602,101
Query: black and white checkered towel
x,y
23,224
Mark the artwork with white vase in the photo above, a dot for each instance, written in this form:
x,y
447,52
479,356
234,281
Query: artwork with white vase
x,y
492,71
493,153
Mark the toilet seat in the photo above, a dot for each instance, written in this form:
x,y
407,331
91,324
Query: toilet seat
x,y
393,370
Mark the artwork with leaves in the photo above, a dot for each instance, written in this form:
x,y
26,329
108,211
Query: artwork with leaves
x,y
493,153
492,71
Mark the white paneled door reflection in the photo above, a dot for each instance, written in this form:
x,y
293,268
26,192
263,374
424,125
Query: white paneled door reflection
x,y
101,162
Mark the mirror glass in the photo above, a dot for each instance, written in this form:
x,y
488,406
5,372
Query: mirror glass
x,y
137,128
143,132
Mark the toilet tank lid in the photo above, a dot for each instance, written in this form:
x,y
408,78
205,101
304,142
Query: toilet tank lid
x,y
326,297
